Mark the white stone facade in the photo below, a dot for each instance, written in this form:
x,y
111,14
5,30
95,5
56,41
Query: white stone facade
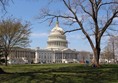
x,y
44,56
21,56
56,56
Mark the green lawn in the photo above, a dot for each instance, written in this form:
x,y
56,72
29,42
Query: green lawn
x,y
59,73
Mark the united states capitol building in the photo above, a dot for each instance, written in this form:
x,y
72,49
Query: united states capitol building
x,y
57,51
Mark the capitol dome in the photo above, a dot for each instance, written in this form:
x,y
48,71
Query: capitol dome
x,y
56,38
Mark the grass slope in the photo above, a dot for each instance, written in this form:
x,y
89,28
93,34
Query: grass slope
x,y
59,73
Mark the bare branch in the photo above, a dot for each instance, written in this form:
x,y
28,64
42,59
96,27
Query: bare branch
x,y
72,30
3,4
108,23
85,10
107,3
80,24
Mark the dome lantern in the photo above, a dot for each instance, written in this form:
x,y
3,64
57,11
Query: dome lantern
x,y
57,24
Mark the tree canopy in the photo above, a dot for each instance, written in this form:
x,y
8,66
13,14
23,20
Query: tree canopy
x,y
13,33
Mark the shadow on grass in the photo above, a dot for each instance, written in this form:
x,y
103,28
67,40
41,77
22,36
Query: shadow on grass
x,y
75,74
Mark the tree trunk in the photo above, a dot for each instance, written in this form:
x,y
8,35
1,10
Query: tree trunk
x,y
6,59
96,56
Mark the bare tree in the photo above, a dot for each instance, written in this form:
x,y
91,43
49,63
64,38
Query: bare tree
x,y
113,44
107,53
13,33
92,17
110,51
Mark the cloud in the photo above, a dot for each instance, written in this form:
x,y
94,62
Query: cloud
x,y
116,19
75,36
39,34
